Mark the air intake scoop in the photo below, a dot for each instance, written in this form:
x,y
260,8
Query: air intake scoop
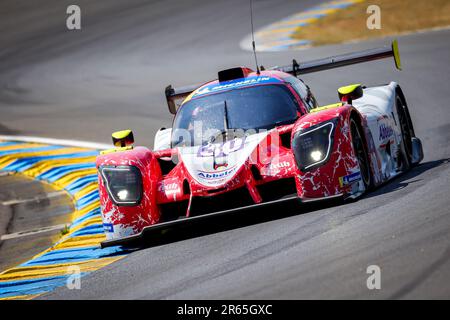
x,y
234,73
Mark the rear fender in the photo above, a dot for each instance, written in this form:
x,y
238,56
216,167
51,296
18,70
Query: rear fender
x,y
381,122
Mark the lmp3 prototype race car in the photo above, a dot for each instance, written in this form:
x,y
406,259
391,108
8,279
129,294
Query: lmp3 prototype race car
x,y
252,138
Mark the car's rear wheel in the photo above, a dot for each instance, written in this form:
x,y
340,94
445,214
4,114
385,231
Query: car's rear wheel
x,y
361,154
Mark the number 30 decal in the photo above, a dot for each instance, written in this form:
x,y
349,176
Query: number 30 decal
x,y
221,150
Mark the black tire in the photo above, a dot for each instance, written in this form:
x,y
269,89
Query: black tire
x,y
360,149
407,133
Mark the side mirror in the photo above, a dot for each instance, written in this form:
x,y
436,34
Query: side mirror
x,y
162,139
350,93
123,138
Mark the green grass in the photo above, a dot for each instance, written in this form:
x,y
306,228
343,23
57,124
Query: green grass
x,y
65,230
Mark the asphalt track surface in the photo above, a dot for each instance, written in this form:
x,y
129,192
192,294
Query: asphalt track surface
x,y
27,208
111,75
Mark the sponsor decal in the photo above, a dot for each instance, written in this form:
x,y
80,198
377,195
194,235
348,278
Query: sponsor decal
x,y
235,84
386,131
351,178
220,165
108,227
216,175
279,165
168,187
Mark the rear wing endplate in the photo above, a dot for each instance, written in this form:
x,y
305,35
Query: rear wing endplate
x,y
175,96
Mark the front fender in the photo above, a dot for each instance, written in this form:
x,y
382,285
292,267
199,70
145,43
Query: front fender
x,y
339,174
119,220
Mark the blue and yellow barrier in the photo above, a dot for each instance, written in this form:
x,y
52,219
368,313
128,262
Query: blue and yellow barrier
x,y
66,168
278,36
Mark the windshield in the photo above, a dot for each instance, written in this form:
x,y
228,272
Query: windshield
x,y
201,120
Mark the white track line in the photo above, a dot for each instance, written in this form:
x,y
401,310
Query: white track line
x,y
35,199
31,232
63,142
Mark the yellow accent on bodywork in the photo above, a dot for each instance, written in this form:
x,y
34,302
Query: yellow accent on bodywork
x,y
330,106
116,149
189,97
341,181
348,89
121,134
398,63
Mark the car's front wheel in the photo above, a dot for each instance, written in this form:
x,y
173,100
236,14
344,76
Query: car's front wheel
x,y
360,150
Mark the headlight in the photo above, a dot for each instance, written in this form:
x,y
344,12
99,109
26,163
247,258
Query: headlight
x,y
124,184
313,146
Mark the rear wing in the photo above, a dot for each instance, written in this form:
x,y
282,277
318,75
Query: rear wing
x,y
343,60
175,96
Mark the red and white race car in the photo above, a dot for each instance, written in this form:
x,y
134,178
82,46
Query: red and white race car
x,y
254,138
